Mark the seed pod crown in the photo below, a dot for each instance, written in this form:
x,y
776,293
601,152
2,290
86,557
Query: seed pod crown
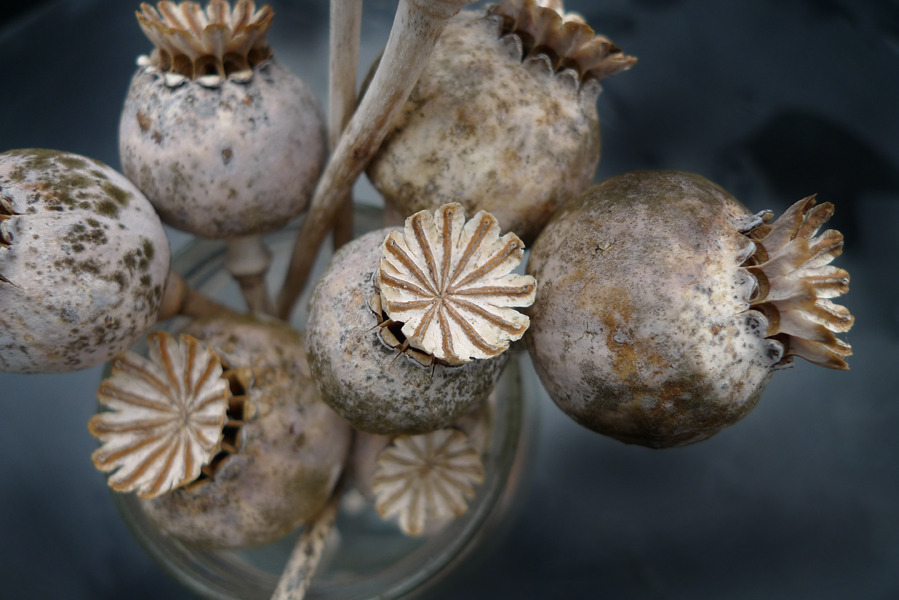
x,y
564,37
166,416
794,283
449,283
216,42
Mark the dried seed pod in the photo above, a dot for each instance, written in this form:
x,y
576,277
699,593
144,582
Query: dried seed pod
x,y
356,367
83,262
222,139
477,425
283,447
503,118
426,479
166,416
665,305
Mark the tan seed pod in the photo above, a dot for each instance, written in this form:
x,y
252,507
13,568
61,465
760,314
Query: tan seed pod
x,y
223,140
283,458
426,479
503,118
665,305
352,345
83,262
166,416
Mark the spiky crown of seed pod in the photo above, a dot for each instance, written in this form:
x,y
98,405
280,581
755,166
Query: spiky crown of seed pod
x,y
448,283
173,418
218,42
545,28
426,478
794,282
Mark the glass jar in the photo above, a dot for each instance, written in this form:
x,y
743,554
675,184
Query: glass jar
x,y
364,556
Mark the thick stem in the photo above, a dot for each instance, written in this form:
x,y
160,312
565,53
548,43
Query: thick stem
x,y
180,299
306,554
247,259
415,31
346,25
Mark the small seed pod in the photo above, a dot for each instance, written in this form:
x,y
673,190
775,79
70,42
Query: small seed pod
x,y
426,480
440,294
477,425
665,305
223,140
83,262
503,118
281,450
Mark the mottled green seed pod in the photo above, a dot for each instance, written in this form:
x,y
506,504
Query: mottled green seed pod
x,y
83,262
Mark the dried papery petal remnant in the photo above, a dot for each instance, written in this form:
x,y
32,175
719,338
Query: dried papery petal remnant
x,y
426,478
166,416
449,283
794,278
240,410
546,29
215,42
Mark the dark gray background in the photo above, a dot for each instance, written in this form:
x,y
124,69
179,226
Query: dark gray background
x,y
774,100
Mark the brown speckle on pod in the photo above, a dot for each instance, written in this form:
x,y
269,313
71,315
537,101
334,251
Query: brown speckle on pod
x,y
83,262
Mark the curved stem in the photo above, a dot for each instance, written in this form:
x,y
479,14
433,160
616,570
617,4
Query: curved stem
x,y
180,299
415,31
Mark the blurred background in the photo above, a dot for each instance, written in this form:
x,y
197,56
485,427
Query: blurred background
x,y
774,101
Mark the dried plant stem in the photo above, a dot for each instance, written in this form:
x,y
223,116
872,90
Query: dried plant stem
x,y
304,559
346,25
181,299
415,31
392,217
247,259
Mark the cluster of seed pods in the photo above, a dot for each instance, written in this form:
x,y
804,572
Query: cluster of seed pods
x,y
640,327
